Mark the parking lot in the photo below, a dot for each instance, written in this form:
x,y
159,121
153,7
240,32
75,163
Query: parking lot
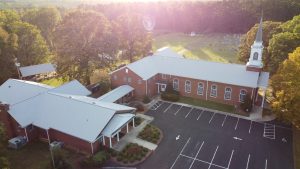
x,y
196,138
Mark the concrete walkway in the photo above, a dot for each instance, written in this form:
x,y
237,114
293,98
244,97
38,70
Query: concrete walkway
x,y
131,137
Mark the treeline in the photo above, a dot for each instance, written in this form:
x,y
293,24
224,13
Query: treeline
x,y
77,41
227,16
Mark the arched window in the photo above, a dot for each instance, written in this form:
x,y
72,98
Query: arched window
x,y
200,88
255,56
243,93
213,91
175,84
227,94
188,86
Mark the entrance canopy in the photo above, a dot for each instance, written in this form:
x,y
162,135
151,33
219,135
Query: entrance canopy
x,y
117,122
116,94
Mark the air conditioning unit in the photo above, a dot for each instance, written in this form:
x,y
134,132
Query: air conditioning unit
x,y
56,144
17,142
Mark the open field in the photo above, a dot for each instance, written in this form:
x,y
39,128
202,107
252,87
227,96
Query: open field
x,y
213,47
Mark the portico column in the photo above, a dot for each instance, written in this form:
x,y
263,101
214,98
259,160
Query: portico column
x,y
118,137
127,128
110,144
263,100
133,122
103,140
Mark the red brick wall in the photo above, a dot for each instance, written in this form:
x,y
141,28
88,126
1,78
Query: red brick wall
x,y
140,89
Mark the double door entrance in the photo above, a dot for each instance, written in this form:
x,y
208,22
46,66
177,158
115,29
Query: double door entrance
x,y
161,87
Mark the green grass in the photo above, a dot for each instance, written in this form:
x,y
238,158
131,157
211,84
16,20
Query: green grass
x,y
296,142
212,47
54,82
210,104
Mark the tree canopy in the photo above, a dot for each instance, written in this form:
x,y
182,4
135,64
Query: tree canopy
x,y
286,86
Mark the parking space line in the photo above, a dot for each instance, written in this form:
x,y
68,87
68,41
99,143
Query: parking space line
x,y
250,127
202,161
248,161
181,152
196,155
189,113
224,120
213,157
230,159
200,114
266,164
211,118
237,124
177,110
168,108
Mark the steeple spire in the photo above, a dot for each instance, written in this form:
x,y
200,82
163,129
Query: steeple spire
x,y
259,31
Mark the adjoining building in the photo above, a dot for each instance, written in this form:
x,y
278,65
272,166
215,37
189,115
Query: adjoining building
x,y
37,72
66,113
218,82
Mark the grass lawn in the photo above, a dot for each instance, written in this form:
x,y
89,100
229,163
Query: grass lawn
x,y
33,156
54,82
296,141
212,47
210,105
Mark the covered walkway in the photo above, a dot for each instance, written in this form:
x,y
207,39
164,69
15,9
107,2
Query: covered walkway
x,y
118,95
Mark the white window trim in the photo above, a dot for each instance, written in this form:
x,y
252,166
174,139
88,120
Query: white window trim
x,y
225,93
163,76
177,84
185,86
212,89
201,94
240,95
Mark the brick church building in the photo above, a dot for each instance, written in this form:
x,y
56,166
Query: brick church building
x,y
218,82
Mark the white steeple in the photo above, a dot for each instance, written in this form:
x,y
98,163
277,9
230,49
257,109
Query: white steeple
x,y
255,61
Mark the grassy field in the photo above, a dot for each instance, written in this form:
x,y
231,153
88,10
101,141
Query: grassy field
x,y
212,47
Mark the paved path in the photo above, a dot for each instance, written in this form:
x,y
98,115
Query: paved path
x,y
131,137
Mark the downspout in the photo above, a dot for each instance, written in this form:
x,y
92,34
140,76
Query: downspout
x,y
146,88
50,149
92,148
206,88
26,135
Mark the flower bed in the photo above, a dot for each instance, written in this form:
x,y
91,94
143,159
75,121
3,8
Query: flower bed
x,y
150,133
132,154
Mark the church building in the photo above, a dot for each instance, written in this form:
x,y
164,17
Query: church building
x,y
213,81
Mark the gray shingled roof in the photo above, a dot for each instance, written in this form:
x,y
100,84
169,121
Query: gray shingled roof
x,y
259,32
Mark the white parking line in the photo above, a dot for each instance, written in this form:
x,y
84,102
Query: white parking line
x,y
202,161
248,161
213,157
266,165
230,159
196,155
224,120
200,114
168,108
181,152
178,110
211,118
189,112
250,127
237,124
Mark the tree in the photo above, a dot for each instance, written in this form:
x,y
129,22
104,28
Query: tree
x,y
246,105
4,163
84,42
269,29
135,42
286,89
46,19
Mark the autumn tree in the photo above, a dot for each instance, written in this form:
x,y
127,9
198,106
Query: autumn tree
x,y
135,41
286,89
84,41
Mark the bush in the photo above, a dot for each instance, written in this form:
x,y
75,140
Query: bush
x,y
131,153
100,158
60,159
247,104
139,106
150,133
170,94
4,163
146,99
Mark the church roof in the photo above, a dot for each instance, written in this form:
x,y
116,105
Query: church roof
x,y
259,33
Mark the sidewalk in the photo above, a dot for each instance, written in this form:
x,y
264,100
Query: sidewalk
x,y
131,137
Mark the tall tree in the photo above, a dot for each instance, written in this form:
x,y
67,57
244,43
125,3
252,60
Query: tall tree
x,y
135,42
269,29
46,19
84,41
286,88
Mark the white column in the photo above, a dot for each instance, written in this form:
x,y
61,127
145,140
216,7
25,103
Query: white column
x,y
110,144
127,129
206,89
92,148
263,100
26,134
133,122
118,136
103,140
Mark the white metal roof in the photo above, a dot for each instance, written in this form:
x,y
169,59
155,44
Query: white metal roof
x,y
73,87
80,116
37,69
234,74
116,94
116,123
263,79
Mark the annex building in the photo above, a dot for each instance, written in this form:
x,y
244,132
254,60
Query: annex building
x,y
65,113
218,82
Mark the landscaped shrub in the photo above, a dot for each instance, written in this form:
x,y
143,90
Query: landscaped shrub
x,y
146,99
132,153
170,94
97,160
150,133
247,104
138,121
60,159
139,106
